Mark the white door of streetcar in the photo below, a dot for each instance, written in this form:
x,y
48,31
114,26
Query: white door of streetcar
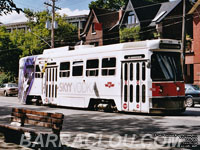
x,y
50,85
134,87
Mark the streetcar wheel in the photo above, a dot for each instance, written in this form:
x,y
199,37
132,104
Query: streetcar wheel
x,y
28,101
38,102
5,93
189,102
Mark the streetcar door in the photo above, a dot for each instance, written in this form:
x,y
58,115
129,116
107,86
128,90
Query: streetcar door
x,y
134,86
50,85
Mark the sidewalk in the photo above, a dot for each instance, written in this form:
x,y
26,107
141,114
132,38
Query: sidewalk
x,y
4,119
90,132
10,146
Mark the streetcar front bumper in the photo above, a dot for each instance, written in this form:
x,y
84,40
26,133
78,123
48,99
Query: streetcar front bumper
x,y
168,105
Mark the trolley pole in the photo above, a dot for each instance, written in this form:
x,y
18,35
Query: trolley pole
x,y
52,24
53,19
183,38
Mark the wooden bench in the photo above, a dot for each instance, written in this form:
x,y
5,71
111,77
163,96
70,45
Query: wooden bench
x,y
32,123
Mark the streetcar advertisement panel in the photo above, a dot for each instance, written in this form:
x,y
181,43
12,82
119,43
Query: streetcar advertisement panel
x,y
26,77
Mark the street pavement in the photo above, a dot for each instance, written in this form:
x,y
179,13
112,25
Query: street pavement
x,y
84,129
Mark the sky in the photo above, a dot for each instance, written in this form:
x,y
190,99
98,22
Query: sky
x,y
68,7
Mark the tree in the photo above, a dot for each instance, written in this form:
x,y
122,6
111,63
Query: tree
x,y
20,43
115,4
7,6
108,4
130,34
32,41
9,55
66,34
4,78
37,38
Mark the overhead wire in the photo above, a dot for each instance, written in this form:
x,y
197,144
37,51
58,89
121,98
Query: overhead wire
x,y
141,32
176,17
114,38
149,30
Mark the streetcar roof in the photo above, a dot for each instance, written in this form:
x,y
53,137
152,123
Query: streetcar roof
x,y
89,49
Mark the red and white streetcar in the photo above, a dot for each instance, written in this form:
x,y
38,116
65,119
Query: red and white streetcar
x,y
143,77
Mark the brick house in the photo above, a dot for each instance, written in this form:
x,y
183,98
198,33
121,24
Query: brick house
x,y
193,54
162,19
101,27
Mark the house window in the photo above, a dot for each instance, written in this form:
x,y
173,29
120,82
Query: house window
x,y
93,28
92,67
94,43
108,66
64,69
131,18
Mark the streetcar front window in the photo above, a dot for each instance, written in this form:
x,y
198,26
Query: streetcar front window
x,y
166,66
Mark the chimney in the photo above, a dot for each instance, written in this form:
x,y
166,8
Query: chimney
x,y
120,12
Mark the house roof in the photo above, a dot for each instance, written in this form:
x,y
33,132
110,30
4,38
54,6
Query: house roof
x,y
148,13
164,10
145,10
194,7
107,18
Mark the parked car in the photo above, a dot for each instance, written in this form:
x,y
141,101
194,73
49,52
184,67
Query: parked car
x,y
192,93
9,89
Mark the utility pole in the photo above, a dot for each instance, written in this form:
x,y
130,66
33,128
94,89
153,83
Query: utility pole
x,y
183,37
53,19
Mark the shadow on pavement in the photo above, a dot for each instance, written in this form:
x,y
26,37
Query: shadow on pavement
x,y
119,124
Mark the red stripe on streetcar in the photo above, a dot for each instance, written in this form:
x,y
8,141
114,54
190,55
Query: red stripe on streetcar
x,y
168,89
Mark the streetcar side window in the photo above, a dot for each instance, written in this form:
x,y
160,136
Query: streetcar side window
x,y
143,93
77,68
138,71
108,66
92,67
38,73
143,71
64,69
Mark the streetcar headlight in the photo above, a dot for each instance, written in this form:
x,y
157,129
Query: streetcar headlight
x,y
160,89
178,88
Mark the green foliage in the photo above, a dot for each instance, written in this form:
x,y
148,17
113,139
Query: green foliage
x,y
9,54
130,34
29,14
115,4
66,34
38,38
7,6
5,78
108,4
20,43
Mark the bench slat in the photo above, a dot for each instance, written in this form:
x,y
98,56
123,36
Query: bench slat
x,y
17,128
38,123
37,118
25,121
52,115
